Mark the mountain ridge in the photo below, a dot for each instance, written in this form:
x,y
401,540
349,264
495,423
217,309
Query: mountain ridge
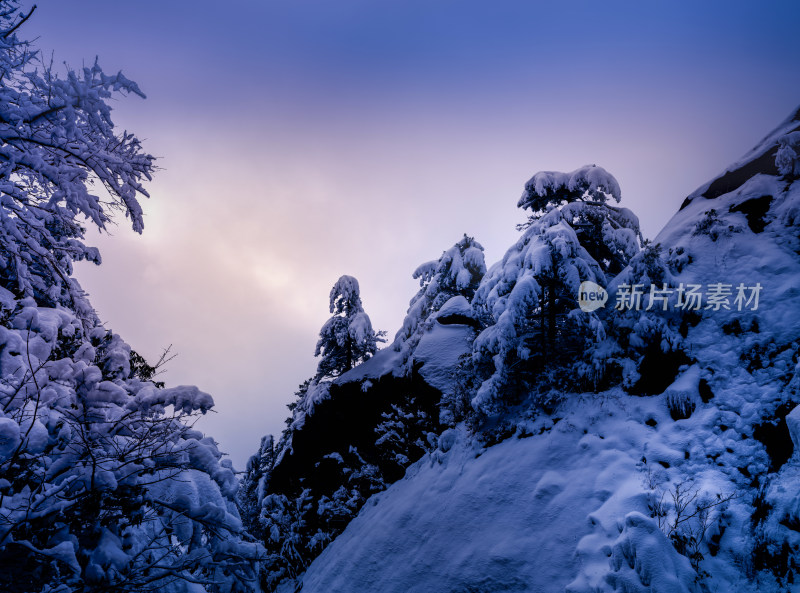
x,y
682,490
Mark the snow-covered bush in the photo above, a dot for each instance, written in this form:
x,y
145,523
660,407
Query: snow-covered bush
x,y
683,396
405,433
643,560
688,516
714,226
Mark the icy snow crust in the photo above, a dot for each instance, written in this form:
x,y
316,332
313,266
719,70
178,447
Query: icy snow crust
x,y
565,504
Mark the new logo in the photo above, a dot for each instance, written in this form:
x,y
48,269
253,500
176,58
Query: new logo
x,y
591,296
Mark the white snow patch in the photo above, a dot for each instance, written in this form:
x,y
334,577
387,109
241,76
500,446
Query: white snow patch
x,y
439,351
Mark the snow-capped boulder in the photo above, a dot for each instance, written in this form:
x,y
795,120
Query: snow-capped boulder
x,y
793,423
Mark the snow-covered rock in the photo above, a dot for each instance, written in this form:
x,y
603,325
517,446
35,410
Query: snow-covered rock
x,y
793,423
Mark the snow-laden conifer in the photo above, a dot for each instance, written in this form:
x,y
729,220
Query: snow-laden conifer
x,y
531,295
254,483
347,338
458,271
610,234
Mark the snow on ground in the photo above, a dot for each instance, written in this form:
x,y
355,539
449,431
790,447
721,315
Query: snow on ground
x,y
382,363
539,514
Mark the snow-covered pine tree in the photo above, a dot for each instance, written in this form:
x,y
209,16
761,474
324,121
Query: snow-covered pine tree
x,y
347,338
405,432
531,294
610,234
254,484
458,271
285,524
104,485
358,479
643,347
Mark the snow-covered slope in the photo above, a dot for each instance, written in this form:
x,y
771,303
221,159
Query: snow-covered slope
x,y
601,495
529,514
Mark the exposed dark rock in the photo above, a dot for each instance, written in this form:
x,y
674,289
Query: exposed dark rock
x,y
705,391
754,209
347,419
458,319
658,370
774,435
735,179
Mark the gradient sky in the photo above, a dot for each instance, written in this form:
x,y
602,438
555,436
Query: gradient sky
x,y
303,140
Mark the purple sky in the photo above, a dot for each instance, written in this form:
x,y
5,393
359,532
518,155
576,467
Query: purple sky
x,y
304,140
